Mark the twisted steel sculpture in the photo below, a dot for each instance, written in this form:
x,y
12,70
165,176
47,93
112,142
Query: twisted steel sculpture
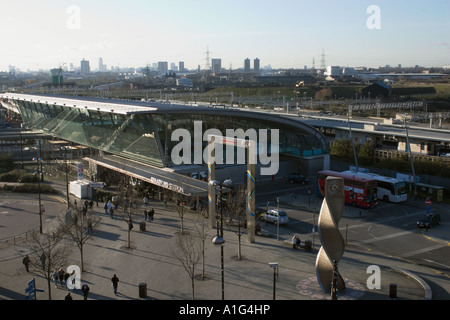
x,y
333,244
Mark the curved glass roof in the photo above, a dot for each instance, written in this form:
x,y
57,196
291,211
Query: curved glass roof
x,y
142,130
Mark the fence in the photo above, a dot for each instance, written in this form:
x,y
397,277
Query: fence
x,y
18,238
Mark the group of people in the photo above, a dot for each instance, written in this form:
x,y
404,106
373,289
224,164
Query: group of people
x,y
85,288
148,215
62,276
109,208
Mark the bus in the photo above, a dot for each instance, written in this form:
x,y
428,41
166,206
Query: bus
x,y
388,189
359,191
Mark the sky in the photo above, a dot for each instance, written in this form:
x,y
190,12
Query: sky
x,y
283,34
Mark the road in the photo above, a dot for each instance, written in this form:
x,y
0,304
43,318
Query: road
x,y
15,204
389,229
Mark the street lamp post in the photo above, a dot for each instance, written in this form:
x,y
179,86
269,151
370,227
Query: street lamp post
x,y
219,238
274,266
39,161
65,148
278,218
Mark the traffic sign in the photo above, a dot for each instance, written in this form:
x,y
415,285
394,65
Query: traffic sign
x,y
96,184
31,290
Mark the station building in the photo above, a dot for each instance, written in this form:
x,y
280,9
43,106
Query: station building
x,y
135,137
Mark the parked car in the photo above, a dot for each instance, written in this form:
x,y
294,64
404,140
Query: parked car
x,y
429,220
274,216
297,178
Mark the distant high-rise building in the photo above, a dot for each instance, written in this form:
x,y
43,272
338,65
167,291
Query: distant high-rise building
x,y
216,65
85,68
256,65
101,66
181,66
247,65
163,67
173,67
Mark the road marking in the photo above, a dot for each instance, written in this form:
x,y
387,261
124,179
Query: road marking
x,y
427,249
385,237
439,264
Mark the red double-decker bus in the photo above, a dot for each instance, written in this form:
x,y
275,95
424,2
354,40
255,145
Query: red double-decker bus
x,y
359,191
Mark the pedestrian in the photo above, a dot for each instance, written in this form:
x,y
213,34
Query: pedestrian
x,y
111,212
85,289
55,278
73,278
106,207
115,282
26,261
66,276
152,212
90,227
68,297
61,275
145,214
145,201
294,242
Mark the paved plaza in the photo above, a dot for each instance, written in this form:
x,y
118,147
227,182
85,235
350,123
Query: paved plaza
x,y
151,261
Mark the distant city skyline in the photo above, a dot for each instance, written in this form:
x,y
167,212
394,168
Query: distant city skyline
x,y
284,34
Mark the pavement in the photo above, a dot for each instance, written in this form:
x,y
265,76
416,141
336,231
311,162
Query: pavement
x,y
150,267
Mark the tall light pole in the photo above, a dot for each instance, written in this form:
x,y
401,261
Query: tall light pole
x,y
65,148
219,238
39,161
278,218
274,266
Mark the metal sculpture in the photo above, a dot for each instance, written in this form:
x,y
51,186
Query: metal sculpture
x,y
333,244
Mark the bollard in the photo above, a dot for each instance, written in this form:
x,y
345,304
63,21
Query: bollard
x,y
142,290
393,291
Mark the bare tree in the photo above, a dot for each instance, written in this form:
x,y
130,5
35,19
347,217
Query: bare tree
x,y
238,214
79,226
126,207
202,231
180,205
48,253
188,250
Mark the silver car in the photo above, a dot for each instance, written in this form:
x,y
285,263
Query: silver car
x,y
274,216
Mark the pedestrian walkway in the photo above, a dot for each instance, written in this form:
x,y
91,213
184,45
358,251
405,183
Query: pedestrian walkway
x,y
151,261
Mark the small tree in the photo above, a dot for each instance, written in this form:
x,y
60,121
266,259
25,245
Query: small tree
x,y
47,255
188,250
180,205
202,231
126,207
236,206
79,226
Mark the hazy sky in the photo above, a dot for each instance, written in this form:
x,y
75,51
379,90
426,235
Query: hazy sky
x,y
284,33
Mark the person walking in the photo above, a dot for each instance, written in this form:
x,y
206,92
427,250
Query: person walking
x,y
151,214
26,261
145,214
106,207
85,289
145,201
68,297
61,276
55,278
115,282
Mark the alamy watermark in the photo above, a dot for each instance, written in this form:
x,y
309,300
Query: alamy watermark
x,y
374,280
188,145
74,280
374,20
73,21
